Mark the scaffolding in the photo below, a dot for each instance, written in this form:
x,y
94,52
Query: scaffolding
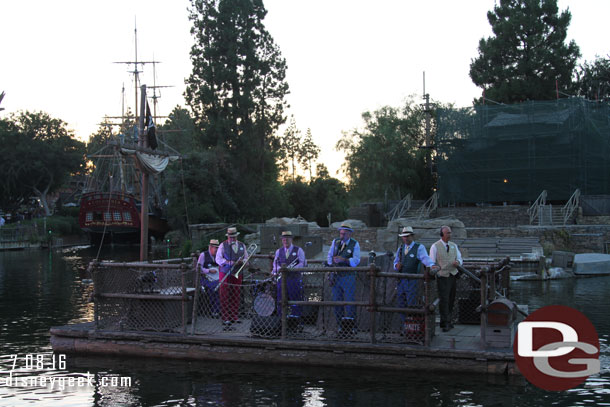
x,y
509,153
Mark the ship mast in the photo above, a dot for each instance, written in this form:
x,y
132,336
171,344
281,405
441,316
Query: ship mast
x,y
136,72
143,142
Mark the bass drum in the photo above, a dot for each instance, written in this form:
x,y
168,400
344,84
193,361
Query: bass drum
x,y
264,304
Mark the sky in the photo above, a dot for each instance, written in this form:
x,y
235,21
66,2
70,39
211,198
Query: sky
x,y
344,57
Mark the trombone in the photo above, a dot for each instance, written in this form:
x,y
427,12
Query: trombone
x,y
249,252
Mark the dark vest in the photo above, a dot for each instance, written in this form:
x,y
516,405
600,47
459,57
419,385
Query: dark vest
x,y
347,252
208,260
291,256
229,255
410,265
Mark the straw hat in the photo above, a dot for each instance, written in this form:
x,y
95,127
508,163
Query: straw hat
x,y
214,242
286,233
406,231
231,232
346,226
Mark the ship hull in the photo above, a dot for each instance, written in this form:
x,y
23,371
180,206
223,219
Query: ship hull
x,y
115,219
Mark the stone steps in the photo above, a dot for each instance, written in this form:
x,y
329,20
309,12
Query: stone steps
x,y
495,247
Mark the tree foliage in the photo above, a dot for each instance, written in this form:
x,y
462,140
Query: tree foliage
x,y
39,154
290,147
593,79
527,55
384,158
237,94
316,199
309,153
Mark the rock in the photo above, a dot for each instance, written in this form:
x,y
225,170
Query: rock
x,y
429,228
252,238
356,224
290,221
387,239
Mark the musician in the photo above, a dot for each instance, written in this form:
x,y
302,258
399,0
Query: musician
x,y
209,275
230,257
409,259
447,255
344,252
290,256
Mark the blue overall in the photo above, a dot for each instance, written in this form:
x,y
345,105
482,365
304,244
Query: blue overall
x,y
294,283
345,282
407,290
210,286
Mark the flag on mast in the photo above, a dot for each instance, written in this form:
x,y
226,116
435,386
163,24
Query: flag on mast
x,y
150,129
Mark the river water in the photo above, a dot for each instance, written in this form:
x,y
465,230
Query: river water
x,y
40,289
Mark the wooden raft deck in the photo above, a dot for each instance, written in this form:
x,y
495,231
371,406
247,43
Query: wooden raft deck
x,y
458,350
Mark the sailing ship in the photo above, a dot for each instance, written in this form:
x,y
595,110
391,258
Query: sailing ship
x,y
121,202
111,204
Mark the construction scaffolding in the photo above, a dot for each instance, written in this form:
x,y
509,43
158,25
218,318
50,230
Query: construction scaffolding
x,y
510,153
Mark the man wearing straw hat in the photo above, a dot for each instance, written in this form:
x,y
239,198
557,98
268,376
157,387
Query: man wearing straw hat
x,y
290,256
209,275
230,256
409,258
344,252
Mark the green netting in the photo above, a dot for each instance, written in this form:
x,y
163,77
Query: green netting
x,y
511,153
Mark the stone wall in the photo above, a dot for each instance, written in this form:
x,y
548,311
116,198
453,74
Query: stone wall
x,y
366,237
492,216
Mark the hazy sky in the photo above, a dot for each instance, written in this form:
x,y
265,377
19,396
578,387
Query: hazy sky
x,y
344,56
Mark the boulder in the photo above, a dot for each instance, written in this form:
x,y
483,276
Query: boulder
x,y
290,221
356,224
428,229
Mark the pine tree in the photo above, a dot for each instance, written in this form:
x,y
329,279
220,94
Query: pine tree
x,y
309,152
237,94
527,57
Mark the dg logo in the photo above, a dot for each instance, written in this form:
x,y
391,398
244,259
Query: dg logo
x,y
556,348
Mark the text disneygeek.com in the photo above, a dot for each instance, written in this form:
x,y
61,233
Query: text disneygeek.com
x,y
44,364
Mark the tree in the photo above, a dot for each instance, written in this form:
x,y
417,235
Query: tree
x,y
385,156
309,152
527,57
44,156
290,146
236,92
593,79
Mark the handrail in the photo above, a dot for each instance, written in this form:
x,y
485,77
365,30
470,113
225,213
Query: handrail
x,y
401,208
570,206
534,210
430,205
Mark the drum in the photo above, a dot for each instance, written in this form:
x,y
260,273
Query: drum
x,y
264,304
212,276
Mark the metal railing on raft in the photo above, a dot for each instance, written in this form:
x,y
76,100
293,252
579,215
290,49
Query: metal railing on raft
x,y
371,305
162,297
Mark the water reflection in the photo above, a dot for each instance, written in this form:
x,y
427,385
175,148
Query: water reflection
x,y
40,289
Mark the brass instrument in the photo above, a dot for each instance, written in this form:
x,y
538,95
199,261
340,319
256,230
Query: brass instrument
x,y
249,252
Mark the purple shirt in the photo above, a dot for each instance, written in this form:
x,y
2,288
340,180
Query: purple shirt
x,y
220,257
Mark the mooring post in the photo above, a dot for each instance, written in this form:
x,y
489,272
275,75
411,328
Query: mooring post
x,y
197,280
373,301
492,282
483,305
429,323
184,296
284,285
